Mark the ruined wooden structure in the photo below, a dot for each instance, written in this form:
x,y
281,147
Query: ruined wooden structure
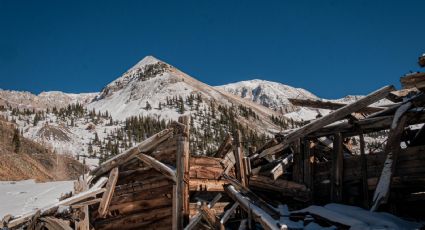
x,y
159,185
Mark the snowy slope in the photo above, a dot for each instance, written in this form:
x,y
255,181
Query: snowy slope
x,y
152,81
27,100
273,95
17,198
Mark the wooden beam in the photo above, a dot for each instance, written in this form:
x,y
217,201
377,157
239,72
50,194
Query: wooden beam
x,y
328,119
258,214
145,146
367,125
107,195
183,147
280,168
228,214
297,171
329,105
158,165
307,163
391,149
337,169
284,187
224,147
204,213
238,152
363,157
416,80
228,162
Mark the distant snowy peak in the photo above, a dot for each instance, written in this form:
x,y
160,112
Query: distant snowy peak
x,y
270,94
149,67
27,100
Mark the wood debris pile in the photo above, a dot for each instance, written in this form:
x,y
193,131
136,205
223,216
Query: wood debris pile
x,y
307,177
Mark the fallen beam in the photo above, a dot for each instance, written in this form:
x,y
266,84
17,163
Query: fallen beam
x,y
319,104
328,119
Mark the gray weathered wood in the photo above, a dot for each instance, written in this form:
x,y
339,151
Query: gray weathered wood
x,y
107,195
328,119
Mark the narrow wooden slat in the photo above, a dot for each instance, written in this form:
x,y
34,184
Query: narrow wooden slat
x,y
107,195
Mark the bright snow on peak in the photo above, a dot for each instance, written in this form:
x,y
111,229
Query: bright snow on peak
x,y
148,60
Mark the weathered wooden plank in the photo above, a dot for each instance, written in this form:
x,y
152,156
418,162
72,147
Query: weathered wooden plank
x,y
329,105
161,167
224,147
284,187
391,149
365,190
107,195
328,119
280,168
259,215
238,152
337,169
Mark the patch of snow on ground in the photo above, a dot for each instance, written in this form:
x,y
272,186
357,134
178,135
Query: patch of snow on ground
x,y
20,197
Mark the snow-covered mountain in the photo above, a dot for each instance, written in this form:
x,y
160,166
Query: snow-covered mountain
x,y
151,82
44,100
273,95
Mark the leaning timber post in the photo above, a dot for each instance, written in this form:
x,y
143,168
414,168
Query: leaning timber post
x,y
363,158
238,151
180,213
337,168
307,163
297,175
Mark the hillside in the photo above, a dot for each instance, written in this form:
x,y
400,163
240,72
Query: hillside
x,y
30,160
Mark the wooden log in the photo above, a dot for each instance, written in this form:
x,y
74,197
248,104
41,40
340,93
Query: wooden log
x,y
238,152
206,185
284,187
228,162
205,211
367,125
224,147
151,219
55,223
205,172
416,80
391,149
365,191
141,205
248,205
281,167
337,169
398,95
161,167
329,105
307,163
297,172
107,195
184,145
252,196
145,146
328,119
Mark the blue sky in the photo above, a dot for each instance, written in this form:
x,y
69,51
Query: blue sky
x,y
332,48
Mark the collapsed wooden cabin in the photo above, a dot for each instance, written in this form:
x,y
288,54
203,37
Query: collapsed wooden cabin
x,y
159,185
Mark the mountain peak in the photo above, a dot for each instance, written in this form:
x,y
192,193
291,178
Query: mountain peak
x,y
148,60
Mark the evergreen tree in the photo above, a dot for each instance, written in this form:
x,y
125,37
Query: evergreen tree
x,y
148,106
16,141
